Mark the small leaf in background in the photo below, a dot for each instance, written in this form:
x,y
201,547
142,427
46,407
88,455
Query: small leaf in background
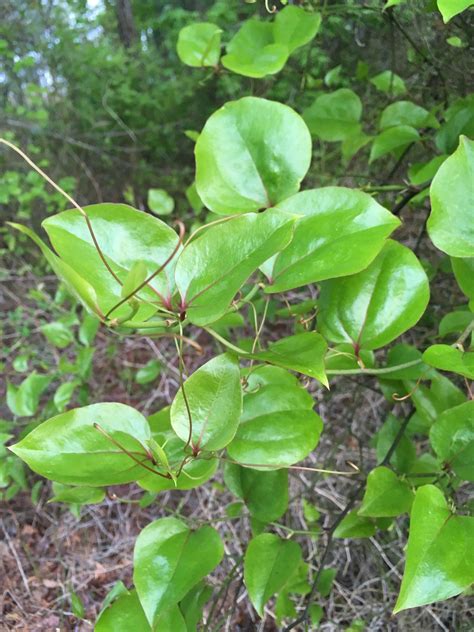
x,y
310,513
440,556
386,495
393,139
334,116
406,113
20,363
269,563
169,559
63,395
193,198
355,526
295,27
464,272
123,613
160,202
135,277
454,322
214,396
23,400
447,358
77,606
77,495
389,82
452,439
88,329
199,45
450,224
420,173
148,373
58,334
192,605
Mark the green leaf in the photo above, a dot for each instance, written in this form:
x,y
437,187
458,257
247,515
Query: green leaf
x,y
334,116
375,306
135,277
148,372
454,322
199,45
192,605
81,289
452,438
193,198
123,615
269,562
169,559
264,493
57,334
77,495
20,363
23,400
251,154
406,113
385,495
253,52
450,224
126,236
214,396
214,266
450,8
340,231
405,452
392,139
277,426
464,272
447,358
63,394
389,82
295,27
303,353
355,526
70,450
440,557
88,329
419,173
160,202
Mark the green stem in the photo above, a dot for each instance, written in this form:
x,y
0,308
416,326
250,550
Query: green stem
x,y
380,371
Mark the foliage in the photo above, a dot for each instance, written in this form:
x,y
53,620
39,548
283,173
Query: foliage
x,y
270,232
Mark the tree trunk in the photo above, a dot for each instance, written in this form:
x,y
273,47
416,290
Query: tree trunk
x,y
126,25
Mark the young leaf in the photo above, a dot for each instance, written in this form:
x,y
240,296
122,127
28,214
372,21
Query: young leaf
x,y
464,272
253,52
295,27
278,426
392,139
440,556
122,615
70,449
450,8
268,564
213,267
58,334
375,306
23,400
251,154
88,329
199,45
214,396
447,358
63,394
135,277
355,526
160,202
339,232
452,438
77,495
334,116
264,493
389,82
406,113
169,559
450,224
148,372
386,495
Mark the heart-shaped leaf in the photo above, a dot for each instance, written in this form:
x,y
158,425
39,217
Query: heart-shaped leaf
x,y
452,438
169,559
295,27
375,306
450,224
335,116
251,154
447,358
385,495
71,449
214,396
269,563
440,556
199,44
339,232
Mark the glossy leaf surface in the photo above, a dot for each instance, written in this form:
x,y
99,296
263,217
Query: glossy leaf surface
x,y
450,225
214,396
452,438
69,449
440,556
447,358
375,306
251,154
169,559
385,495
339,232
214,266
199,44
268,564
